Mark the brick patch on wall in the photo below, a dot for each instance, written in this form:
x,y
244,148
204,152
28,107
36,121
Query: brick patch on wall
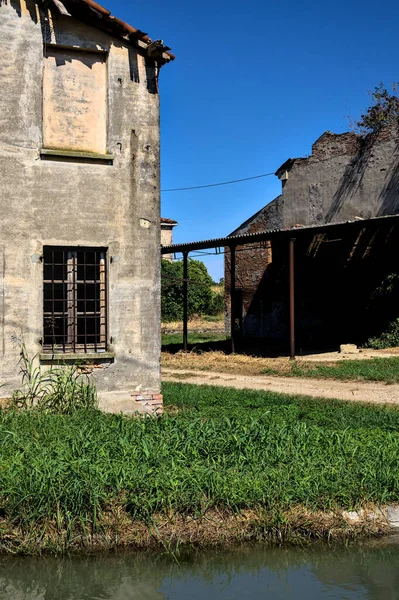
x,y
150,401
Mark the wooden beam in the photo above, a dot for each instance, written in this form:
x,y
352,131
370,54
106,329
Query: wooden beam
x,y
61,8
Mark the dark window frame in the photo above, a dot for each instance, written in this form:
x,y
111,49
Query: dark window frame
x,y
75,302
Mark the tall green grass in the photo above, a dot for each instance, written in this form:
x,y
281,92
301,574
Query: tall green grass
x,y
59,389
222,448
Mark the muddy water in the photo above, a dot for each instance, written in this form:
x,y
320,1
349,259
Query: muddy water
x,y
356,573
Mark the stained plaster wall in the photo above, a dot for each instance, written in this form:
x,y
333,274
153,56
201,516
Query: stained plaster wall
x,y
75,202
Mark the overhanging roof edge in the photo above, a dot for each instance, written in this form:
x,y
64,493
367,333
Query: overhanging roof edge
x,y
238,240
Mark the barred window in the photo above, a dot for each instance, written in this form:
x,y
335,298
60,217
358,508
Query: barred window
x,y
74,296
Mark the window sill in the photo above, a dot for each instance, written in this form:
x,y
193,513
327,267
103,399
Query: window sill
x,y
70,357
92,156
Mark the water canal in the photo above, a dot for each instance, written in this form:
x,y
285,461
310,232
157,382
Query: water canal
x,y
369,571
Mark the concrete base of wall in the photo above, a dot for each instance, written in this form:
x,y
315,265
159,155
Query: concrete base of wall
x,y
124,402
129,404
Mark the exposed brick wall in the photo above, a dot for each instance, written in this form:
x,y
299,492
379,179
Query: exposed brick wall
x,y
332,144
151,402
253,277
167,226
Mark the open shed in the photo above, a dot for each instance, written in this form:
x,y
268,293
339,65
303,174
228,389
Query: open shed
x,y
310,287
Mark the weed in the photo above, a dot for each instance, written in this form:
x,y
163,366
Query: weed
x,y
60,389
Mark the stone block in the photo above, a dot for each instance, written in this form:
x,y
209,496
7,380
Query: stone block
x,y
348,349
392,514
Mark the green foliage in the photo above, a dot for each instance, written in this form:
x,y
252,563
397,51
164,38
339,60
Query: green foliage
x,y
383,112
216,305
383,311
224,448
374,369
61,389
388,285
200,294
388,339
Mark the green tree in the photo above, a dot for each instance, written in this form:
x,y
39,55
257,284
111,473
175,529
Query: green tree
x,y
383,111
200,295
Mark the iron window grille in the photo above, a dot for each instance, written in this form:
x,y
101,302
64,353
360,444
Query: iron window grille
x,y
75,299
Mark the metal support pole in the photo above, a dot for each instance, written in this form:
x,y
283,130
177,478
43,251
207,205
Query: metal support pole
x,y
232,296
292,299
185,301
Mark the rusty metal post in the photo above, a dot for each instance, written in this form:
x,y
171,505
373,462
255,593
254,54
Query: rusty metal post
x,y
232,296
292,298
185,301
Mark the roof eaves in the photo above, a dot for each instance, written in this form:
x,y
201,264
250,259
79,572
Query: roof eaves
x,y
286,166
158,50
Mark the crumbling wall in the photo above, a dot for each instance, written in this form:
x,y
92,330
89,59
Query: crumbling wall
x,y
346,177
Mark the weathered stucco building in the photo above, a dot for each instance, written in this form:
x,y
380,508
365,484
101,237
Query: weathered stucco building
x,y
346,177
79,185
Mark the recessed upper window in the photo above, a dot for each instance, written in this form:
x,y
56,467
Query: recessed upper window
x,y
75,100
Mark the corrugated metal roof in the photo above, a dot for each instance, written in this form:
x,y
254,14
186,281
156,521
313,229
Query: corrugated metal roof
x,y
246,238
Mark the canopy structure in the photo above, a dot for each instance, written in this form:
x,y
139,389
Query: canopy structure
x,y
375,239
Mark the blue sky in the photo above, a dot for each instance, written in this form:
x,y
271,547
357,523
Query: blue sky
x,y
253,84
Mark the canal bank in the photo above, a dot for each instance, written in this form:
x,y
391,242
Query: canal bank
x,y
115,530
220,467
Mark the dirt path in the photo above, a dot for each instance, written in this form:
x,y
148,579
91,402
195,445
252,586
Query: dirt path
x,y
319,388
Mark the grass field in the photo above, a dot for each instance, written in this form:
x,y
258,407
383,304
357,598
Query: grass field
x,y
370,369
214,449
374,369
207,322
194,337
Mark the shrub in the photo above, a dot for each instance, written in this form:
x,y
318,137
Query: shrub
x,y
216,305
388,339
382,320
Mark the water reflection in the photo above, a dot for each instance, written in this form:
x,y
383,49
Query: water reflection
x,y
356,573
